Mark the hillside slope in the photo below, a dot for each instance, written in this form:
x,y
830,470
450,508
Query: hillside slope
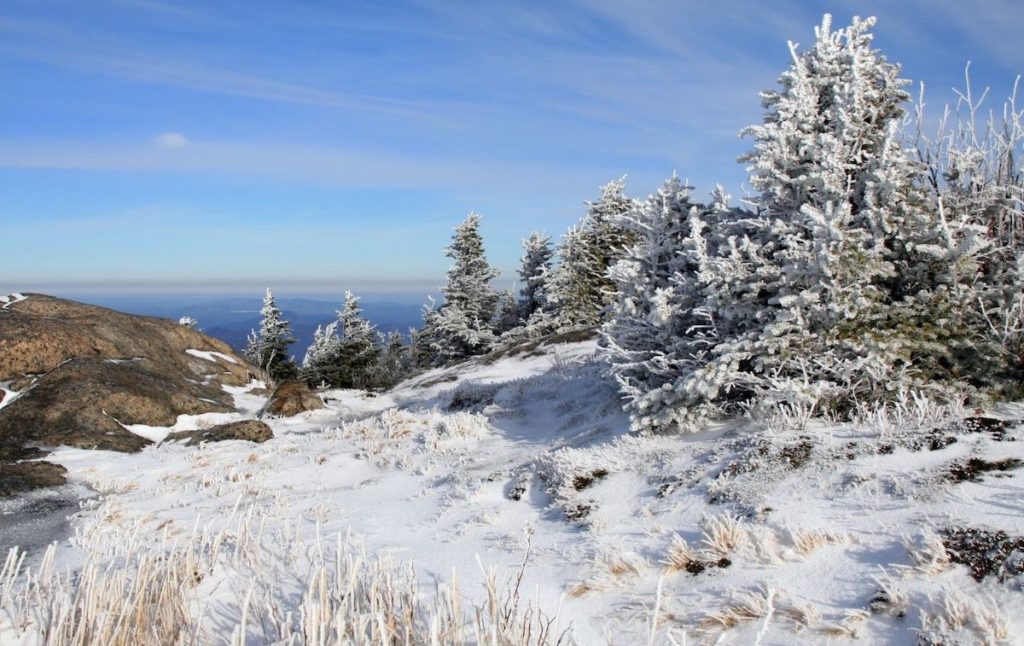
x,y
76,374
902,528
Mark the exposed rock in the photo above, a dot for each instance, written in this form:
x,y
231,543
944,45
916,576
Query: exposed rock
x,y
291,398
16,477
249,430
85,371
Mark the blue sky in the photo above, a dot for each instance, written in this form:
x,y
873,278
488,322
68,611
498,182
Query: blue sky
x,y
203,144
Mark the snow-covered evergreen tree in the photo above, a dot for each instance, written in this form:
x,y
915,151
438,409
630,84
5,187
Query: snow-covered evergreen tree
x,y
859,278
583,290
463,325
393,361
844,285
534,270
323,356
604,240
657,336
571,293
975,178
357,349
507,316
267,348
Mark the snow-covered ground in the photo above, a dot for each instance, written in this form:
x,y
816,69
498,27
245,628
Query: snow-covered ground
x,y
11,299
755,532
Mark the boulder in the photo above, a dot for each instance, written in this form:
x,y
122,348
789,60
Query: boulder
x,y
84,372
249,430
291,398
17,477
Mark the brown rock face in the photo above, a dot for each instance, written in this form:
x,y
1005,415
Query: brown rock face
x,y
85,370
17,477
249,430
292,398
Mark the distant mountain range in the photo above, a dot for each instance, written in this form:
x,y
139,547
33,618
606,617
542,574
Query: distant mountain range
x,y
231,318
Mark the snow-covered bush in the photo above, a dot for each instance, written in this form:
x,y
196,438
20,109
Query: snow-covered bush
x,y
975,177
660,331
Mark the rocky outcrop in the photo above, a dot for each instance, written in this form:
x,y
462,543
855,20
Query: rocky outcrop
x,y
84,372
291,398
249,430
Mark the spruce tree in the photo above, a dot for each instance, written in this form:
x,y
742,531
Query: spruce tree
x,y
657,336
507,315
463,325
572,294
393,361
976,182
534,270
267,349
322,357
851,258
582,289
357,348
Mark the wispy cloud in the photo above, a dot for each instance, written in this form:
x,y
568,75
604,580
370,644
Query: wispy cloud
x,y
171,140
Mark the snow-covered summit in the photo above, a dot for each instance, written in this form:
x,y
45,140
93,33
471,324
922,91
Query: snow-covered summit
x,y
903,527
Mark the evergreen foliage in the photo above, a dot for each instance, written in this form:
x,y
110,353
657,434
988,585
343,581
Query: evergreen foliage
x,y
845,284
581,289
464,324
267,348
358,346
534,270
507,317
319,367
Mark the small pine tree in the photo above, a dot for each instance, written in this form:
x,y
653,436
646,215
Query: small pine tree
x,y
574,300
582,288
393,361
506,317
322,357
534,270
659,333
357,349
463,325
267,349
856,269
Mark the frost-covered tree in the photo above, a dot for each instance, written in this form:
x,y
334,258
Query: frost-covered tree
x,y
571,295
507,315
323,356
393,361
859,278
463,325
581,290
357,348
656,337
604,241
844,285
267,348
534,270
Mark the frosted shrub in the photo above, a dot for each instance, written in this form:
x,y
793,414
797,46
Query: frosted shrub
x,y
927,552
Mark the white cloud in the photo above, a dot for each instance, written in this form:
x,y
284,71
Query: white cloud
x,y
171,140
